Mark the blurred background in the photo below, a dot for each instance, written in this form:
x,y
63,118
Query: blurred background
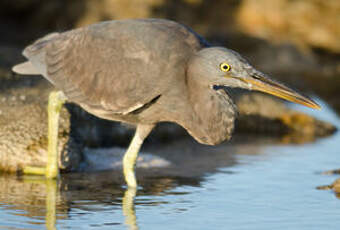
x,y
297,41
294,41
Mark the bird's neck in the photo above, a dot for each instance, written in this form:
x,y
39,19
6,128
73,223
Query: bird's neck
x,y
213,113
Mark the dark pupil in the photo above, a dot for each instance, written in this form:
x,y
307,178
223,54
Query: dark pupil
x,y
225,67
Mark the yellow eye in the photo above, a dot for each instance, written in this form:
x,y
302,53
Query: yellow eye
x,y
225,67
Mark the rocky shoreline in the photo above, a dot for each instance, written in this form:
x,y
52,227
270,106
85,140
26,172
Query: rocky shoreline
x,y
312,67
23,125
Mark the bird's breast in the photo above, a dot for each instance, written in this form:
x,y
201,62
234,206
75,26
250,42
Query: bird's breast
x,y
211,117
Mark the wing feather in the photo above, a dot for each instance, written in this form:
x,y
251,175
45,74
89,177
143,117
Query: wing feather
x,y
115,66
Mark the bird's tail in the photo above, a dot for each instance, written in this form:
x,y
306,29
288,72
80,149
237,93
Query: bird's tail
x,y
25,68
35,54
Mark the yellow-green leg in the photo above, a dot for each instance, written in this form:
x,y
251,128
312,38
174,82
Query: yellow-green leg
x,y
55,103
130,157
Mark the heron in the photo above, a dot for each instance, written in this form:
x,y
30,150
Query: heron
x,y
143,72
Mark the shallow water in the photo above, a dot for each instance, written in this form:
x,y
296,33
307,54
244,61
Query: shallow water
x,y
253,184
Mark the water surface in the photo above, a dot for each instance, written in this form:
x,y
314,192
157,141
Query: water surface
x,y
252,183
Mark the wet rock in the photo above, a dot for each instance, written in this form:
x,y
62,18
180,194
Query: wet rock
x,y
23,122
332,172
335,186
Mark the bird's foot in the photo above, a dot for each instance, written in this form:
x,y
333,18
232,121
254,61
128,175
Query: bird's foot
x,y
34,170
43,171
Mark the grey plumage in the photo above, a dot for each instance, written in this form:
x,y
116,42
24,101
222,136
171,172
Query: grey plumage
x,y
113,69
25,68
145,71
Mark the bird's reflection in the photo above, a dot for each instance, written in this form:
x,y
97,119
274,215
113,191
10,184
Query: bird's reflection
x,y
42,188
51,203
38,198
52,194
128,208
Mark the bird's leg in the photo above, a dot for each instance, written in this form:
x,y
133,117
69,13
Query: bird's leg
x,y
55,103
130,157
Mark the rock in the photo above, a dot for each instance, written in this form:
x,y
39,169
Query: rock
x,y
313,23
23,125
332,172
23,122
335,186
23,117
118,9
328,89
26,20
260,113
33,18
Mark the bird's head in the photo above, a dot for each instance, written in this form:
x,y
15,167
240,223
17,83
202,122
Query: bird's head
x,y
217,66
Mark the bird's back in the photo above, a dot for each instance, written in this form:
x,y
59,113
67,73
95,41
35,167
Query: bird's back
x,y
115,66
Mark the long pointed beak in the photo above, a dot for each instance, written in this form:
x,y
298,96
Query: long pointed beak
x,y
260,82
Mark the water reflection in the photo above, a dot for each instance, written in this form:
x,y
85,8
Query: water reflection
x,y
36,197
129,208
39,199
50,203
